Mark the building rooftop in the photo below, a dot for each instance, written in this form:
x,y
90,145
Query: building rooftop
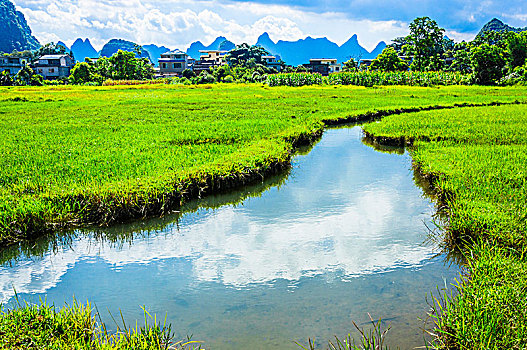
x,y
209,51
175,52
52,57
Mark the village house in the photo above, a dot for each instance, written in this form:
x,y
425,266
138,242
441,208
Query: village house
x,y
54,66
173,63
272,62
324,66
208,60
216,56
12,64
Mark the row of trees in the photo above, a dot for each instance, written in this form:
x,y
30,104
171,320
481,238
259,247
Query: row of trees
x,y
491,58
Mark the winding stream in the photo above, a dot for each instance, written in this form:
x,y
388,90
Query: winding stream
x,y
343,234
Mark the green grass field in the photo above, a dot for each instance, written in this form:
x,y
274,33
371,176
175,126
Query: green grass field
x,y
478,157
97,155
79,155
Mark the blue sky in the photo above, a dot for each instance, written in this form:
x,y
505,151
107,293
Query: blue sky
x,y
177,23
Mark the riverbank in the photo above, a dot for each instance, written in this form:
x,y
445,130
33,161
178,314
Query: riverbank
x,y
77,156
476,158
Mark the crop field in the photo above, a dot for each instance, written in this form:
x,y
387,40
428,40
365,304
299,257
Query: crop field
x,y
73,156
478,157
97,155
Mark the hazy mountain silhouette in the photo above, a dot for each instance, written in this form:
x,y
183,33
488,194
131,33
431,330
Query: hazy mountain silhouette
x,y
16,34
221,43
82,49
300,51
155,52
114,45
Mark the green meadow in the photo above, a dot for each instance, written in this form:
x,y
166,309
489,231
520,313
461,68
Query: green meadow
x,y
99,155
78,156
477,158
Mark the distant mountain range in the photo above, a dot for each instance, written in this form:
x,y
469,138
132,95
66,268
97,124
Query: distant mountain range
x,y
221,43
155,52
495,25
16,34
114,45
300,51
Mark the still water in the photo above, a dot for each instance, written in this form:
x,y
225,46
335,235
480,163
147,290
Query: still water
x,y
341,235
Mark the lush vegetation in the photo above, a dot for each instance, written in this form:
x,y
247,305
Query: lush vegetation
x,y
477,158
80,155
42,326
370,78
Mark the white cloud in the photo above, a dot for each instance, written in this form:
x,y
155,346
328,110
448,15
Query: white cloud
x,y
177,23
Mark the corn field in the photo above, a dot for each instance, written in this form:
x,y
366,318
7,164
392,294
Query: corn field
x,y
370,78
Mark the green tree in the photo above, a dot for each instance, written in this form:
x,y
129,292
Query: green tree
x,y
188,73
6,79
388,61
82,73
23,77
424,44
124,65
488,63
350,65
516,49
245,54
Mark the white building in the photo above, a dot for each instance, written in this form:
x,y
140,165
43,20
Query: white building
x,y
216,56
54,66
272,62
331,63
173,63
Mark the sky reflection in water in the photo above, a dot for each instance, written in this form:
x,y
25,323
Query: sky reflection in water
x,y
347,222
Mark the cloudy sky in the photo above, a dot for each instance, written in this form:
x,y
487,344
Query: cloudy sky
x,y
177,23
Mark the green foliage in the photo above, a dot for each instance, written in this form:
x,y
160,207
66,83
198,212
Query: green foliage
x,y
424,44
369,78
489,308
246,55
6,79
205,78
188,73
102,154
44,327
488,62
350,65
123,65
516,49
388,61
82,73
461,58
26,76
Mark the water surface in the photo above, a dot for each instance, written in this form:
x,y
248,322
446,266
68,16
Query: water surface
x,y
341,235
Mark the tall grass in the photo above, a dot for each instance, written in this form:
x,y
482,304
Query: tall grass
x,y
373,338
43,326
370,78
477,157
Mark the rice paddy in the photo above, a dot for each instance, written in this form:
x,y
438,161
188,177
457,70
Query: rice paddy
x,y
477,157
76,156
98,155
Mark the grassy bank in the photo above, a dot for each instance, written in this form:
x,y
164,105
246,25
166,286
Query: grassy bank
x,y
43,326
99,155
476,158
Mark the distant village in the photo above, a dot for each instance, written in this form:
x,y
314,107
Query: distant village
x,y
171,64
